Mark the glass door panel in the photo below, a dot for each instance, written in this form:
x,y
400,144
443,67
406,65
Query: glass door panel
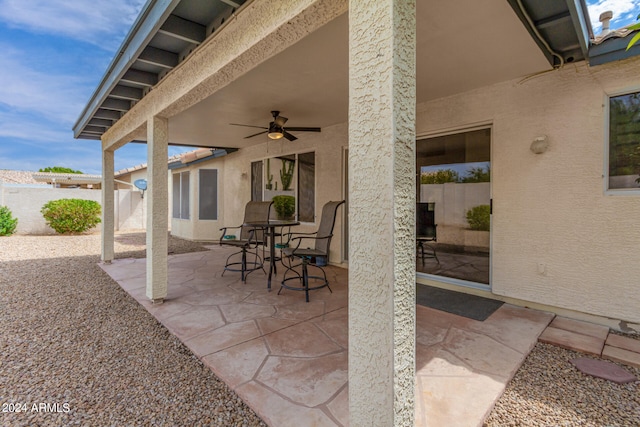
x,y
453,211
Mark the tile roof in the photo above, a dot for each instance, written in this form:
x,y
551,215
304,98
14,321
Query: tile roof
x,y
17,177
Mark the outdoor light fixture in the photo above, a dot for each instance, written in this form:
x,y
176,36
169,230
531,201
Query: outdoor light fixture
x,y
540,144
275,132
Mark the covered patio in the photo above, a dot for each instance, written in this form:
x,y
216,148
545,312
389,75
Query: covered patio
x,y
288,359
384,81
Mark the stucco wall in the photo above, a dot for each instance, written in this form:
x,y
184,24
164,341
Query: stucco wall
x,y
558,239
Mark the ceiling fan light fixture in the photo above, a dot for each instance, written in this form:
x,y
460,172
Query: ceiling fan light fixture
x,y
275,132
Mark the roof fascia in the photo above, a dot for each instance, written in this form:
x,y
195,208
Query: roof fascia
x,y
614,49
580,18
154,13
215,154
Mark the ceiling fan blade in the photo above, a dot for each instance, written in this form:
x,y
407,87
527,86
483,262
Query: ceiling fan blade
x,y
280,121
247,126
256,134
303,129
288,135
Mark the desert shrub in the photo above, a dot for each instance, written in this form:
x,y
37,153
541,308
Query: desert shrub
x,y
71,215
8,224
479,217
285,206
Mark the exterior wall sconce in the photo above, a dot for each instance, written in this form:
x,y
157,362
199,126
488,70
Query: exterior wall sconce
x,y
540,144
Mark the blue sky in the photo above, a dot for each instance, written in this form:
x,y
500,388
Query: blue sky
x,y
54,54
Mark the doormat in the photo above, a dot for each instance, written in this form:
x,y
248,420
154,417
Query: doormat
x,y
470,306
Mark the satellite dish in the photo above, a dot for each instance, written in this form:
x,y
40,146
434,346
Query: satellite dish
x,y
141,184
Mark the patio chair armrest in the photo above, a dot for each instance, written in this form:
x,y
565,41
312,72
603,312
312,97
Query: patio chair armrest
x,y
224,232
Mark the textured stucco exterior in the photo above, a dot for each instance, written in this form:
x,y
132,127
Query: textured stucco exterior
x,y
558,239
382,212
157,207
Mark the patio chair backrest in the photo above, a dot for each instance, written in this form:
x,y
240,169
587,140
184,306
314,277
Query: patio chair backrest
x,y
425,221
327,222
255,212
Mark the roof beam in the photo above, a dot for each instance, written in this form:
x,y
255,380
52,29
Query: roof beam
x,y
231,3
138,77
126,92
116,104
101,122
159,57
93,130
553,20
101,113
183,29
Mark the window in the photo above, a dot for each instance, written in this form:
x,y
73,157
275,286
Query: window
x,y
208,194
624,141
290,175
181,195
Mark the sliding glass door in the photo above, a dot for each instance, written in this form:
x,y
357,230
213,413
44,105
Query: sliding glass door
x,y
453,211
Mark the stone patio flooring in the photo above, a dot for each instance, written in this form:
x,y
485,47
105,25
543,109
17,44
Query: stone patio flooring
x,y
288,359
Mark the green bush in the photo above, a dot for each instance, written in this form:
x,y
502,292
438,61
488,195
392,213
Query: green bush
x,y
71,215
479,217
7,222
285,206
440,176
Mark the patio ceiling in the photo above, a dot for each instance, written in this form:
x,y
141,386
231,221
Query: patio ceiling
x,y
461,45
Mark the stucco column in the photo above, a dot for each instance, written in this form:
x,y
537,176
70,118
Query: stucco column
x,y
382,212
157,207
108,217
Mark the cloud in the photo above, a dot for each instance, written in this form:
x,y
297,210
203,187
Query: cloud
x,y
100,22
624,12
40,91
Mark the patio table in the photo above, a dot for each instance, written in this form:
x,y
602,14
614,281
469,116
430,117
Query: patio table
x,y
271,225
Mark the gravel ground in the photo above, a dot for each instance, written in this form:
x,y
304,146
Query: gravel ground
x,y
549,391
71,338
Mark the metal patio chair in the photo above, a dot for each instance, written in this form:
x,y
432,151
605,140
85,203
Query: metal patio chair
x,y
317,257
248,239
426,231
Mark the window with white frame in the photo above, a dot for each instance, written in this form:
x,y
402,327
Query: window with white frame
x,y
181,195
290,176
208,194
624,142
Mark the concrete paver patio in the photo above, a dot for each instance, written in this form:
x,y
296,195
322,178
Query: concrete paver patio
x,y
287,359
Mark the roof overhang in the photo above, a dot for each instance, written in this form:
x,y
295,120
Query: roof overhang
x,y
503,40
66,178
561,29
163,35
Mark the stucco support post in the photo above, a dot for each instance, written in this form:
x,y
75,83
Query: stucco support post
x,y
108,216
382,212
157,208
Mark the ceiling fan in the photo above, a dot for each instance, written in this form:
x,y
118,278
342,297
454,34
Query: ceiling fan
x,y
277,130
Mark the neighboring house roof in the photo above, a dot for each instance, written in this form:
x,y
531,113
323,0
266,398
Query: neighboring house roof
x,y
66,178
17,177
183,159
